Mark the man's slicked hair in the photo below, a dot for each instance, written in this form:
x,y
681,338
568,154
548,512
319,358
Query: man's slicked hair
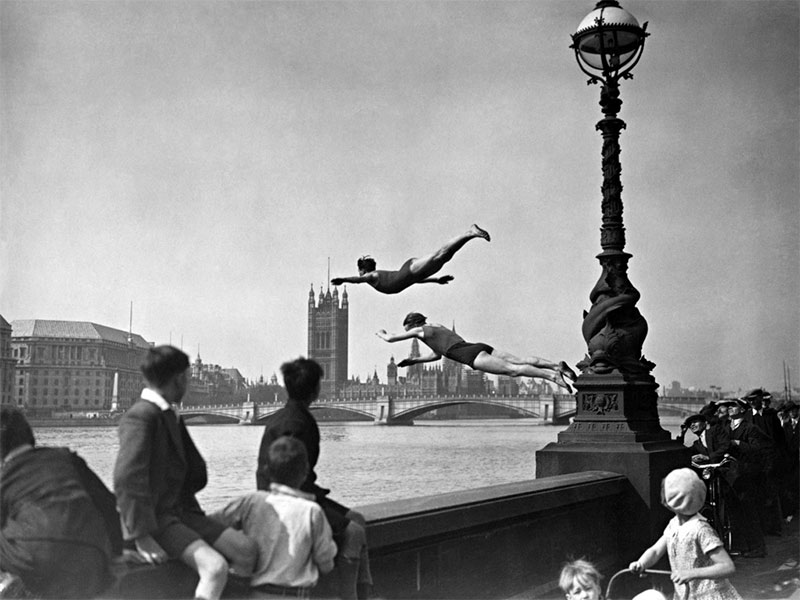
x,y
15,431
301,378
162,363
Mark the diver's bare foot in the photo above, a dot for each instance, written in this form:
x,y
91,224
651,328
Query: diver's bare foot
x,y
480,233
564,369
563,383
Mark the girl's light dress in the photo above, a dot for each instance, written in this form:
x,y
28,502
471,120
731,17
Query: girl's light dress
x,y
688,546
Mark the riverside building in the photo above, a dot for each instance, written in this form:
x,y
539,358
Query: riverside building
x,y
67,367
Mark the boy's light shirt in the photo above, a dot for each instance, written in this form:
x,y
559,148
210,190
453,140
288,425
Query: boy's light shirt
x,y
279,488
294,538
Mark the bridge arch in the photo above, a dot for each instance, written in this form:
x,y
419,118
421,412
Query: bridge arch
x,y
411,413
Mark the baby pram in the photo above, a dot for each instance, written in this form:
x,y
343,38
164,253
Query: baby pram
x,y
651,584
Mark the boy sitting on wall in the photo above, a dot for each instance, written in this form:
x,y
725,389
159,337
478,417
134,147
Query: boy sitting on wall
x,y
295,541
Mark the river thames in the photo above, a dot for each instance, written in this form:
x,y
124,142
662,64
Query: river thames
x,y
361,463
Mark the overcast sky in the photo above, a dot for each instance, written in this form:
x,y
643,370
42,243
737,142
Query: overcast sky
x,y
203,160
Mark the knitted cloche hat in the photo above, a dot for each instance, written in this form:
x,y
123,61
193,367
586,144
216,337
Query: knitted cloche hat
x,y
684,492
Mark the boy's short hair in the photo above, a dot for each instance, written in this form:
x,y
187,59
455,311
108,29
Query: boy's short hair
x,y
162,363
414,319
366,264
287,461
15,431
301,378
582,571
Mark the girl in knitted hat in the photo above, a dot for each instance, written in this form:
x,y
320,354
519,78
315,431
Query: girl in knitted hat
x,y
697,558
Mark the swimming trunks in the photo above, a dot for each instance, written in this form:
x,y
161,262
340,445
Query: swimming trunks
x,y
448,343
392,282
466,352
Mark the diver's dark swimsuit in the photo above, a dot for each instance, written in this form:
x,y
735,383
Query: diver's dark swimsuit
x,y
392,282
448,343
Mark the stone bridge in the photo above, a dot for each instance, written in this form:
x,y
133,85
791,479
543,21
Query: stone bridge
x,y
397,410
401,410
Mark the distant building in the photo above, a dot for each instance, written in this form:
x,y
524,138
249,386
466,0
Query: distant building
x,y
7,364
211,384
75,366
391,373
507,386
327,337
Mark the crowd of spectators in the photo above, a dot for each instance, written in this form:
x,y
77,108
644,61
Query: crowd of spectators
x,y
761,481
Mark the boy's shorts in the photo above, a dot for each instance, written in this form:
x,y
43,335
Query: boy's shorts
x,y
179,532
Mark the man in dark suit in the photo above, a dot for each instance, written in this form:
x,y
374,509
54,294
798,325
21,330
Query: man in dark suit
x,y
748,444
791,430
712,443
775,456
302,378
157,474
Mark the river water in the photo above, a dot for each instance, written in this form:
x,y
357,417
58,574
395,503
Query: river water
x,y
360,462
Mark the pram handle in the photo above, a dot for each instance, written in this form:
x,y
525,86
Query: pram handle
x,y
640,574
724,461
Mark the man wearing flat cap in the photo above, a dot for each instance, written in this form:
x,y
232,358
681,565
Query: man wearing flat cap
x,y
712,443
774,456
748,444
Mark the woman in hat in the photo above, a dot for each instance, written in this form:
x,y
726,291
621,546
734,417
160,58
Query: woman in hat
x,y
698,560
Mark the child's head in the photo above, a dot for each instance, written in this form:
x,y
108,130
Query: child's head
x,y
287,462
580,580
683,492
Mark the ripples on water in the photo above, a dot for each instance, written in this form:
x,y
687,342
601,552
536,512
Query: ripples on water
x,y
360,462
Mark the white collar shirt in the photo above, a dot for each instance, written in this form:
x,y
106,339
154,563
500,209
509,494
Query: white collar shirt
x,y
153,396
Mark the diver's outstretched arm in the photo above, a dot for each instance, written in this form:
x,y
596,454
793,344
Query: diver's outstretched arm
x,y
443,280
407,362
414,332
367,278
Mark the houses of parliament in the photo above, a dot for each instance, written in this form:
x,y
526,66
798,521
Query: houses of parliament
x,y
65,368
328,319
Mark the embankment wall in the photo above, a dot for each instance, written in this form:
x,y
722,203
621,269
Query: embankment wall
x,y
502,541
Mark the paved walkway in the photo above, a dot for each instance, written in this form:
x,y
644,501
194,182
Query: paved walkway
x,y
775,577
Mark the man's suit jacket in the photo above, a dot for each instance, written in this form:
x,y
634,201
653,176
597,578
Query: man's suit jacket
x,y
158,470
769,423
753,449
792,436
718,443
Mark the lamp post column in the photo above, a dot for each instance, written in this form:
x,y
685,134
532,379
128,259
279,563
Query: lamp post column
x,y
616,426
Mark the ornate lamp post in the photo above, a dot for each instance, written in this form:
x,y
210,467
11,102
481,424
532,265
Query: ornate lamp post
x,y
616,426
615,388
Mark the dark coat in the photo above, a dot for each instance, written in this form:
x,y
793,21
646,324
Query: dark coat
x,y
294,420
792,437
770,424
158,470
753,450
60,526
718,440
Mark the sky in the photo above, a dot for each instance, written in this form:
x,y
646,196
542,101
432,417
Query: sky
x,y
205,160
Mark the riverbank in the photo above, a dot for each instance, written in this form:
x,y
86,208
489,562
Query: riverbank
x,y
75,422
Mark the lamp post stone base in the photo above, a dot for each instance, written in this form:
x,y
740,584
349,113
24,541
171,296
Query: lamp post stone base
x,y
616,428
